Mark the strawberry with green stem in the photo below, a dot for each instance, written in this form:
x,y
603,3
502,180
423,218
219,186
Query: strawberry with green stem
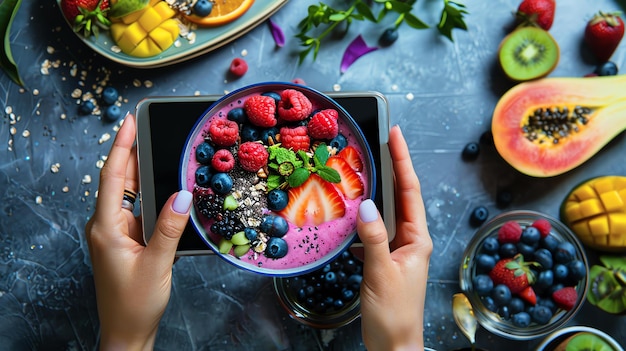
x,y
514,273
539,13
87,16
603,34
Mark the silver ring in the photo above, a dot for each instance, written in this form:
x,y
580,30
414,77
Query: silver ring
x,y
127,205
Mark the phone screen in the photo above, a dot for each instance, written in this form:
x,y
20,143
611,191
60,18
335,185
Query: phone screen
x,y
170,123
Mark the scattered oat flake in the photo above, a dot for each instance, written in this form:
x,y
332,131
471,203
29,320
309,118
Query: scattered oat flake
x,y
8,109
50,50
65,189
244,52
86,179
148,84
116,49
104,138
394,87
38,200
77,93
136,83
99,163
35,92
55,168
13,131
336,87
410,96
26,133
63,116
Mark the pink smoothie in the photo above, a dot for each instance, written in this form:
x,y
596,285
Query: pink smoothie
x,y
308,243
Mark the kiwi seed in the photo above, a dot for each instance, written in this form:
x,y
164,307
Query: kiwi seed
x,y
528,53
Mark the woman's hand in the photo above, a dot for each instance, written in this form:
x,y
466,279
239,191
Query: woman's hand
x,y
133,281
394,280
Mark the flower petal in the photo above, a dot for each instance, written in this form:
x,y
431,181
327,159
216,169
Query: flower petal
x,y
277,33
356,49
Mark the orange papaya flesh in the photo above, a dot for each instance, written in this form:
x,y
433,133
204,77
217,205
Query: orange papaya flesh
x,y
595,211
583,115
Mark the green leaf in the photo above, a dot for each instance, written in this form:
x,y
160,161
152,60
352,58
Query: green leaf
x,y
365,11
400,7
329,174
273,181
451,18
414,22
338,17
298,177
8,10
125,7
321,153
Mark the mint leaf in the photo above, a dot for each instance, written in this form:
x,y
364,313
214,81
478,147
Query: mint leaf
x,y
273,181
329,174
298,177
451,18
321,153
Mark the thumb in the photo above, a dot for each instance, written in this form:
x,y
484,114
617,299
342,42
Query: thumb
x,y
170,225
373,234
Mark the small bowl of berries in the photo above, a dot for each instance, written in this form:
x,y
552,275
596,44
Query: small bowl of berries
x,y
525,274
326,298
277,171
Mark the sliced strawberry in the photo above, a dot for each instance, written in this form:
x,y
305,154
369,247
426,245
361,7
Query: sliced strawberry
x,y
565,298
351,184
528,295
316,201
353,156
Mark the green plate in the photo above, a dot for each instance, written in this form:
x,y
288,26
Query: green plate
x,y
207,39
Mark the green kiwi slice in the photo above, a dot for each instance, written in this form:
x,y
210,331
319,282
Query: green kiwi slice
x,y
607,285
528,53
587,342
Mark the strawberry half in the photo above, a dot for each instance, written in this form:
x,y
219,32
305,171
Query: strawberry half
x,y
316,201
603,34
538,13
351,184
528,295
86,15
352,155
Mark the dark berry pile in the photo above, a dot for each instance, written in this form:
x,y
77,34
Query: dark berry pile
x,y
526,274
330,289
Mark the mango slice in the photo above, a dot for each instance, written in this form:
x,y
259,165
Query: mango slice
x,y
596,212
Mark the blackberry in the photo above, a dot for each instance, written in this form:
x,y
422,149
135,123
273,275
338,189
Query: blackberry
x,y
227,224
210,205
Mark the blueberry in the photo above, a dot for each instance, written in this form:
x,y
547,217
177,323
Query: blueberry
x,y
276,248
545,279
548,302
203,176
347,295
508,250
553,288
485,262
339,142
549,242
204,153
389,36
482,284
274,226
249,133
501,294
542,314
251,234
531,235
110,95
490,304
267,133
238,115
577,270
87,107
486,138
330,277
478,216
354,282
544,258
504,312
491,245
561,272
113,113
470,151
202,8
221,183
277,199
338,304
503,198
527,250
565,252
351,266
516,305
606,69
273,95
521,319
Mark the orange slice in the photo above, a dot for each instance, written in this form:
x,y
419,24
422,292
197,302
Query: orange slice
x,y
224,11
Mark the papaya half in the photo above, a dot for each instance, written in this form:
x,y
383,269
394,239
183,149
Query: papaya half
x,y
549,126
595,211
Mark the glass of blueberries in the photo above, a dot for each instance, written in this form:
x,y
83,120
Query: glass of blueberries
x,y
327,297
500,318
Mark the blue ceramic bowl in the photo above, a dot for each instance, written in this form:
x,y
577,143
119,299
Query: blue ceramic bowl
x,y
309,246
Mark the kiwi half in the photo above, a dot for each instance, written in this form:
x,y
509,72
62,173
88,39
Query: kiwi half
x,y
607,284
528,53
585,342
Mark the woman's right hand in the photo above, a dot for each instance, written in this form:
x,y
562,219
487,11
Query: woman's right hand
x,y
393,290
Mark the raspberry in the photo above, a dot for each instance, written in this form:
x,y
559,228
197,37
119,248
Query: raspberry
x,y
238,67
565,298
223,161
295,138
544,226
294,106
223,132
510,232
261,111
252,156
324,125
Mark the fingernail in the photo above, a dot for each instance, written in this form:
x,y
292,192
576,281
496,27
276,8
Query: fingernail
x,y
368,211
182,203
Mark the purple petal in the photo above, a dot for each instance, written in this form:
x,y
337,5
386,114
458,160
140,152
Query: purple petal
x,y
356,49
277,33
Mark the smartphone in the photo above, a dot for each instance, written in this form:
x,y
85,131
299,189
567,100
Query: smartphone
x,y
163,124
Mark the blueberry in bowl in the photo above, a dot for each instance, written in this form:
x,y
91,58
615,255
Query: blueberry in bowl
x,y
525,274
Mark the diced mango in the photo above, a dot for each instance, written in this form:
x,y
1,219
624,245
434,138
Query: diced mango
x,y
163,10
161,37
584,193
604,184
616,239
591,207
582,229
150,20
572,211
611,201
599,226
617,223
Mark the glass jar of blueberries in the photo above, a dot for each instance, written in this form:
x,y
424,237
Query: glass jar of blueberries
x,y
325,298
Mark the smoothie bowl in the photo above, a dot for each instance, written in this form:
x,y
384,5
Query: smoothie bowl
x,y
278,171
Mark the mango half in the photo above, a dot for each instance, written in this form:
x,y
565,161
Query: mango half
x,y
549,126
596,212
